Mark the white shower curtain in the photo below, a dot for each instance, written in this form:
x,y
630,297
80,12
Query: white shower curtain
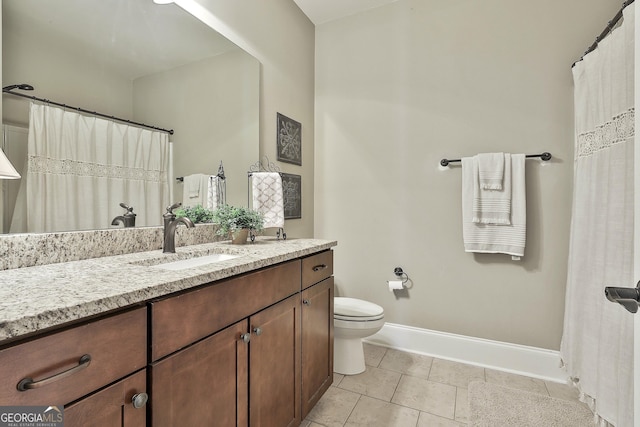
x,y
597,343
80,168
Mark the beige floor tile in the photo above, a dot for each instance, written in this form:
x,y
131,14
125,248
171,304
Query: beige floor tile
x,y
307,423
424,395
454,373
371,412
412,364
520,382
373,354
430,420
334,407
337,378
373,382
462,405
562,391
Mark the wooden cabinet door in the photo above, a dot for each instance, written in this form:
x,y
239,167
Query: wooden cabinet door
x,y
111,407
317,342
204,384
274,365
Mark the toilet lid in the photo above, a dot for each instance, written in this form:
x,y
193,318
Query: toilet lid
x,y
352,307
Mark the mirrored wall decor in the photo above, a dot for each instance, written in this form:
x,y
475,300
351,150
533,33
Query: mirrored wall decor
x,y
149,63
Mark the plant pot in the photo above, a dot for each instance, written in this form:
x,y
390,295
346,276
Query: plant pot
x,y
239,237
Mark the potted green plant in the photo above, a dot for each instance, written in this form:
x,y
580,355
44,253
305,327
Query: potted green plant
x,y
237,222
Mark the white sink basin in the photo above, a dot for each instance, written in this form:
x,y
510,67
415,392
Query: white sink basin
x,y
194,262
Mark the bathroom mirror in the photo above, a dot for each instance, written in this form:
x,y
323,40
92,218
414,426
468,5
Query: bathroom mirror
x,y
137,60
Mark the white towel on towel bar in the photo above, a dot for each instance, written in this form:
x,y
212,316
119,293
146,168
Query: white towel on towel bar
x,y
492,206
491,168
493,238
194,190
268,197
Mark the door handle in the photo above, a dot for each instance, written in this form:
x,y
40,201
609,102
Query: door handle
x,y
629,298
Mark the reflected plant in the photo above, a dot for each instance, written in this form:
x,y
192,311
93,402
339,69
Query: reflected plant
x,y
197,214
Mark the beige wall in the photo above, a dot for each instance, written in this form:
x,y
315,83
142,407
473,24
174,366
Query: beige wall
x,y
402,86
281,37
59,75
212,105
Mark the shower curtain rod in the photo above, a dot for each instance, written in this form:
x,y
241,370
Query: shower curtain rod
x,y
8,89
610,26
544,156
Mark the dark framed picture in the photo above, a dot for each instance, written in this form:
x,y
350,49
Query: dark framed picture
x,y
289,140
292,194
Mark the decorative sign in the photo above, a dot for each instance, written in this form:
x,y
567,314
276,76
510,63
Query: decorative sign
x,y
292,192
289,140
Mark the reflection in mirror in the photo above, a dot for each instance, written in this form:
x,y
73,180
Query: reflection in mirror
x,y
149,63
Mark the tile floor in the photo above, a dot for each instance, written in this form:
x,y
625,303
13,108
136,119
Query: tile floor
x,y
401,389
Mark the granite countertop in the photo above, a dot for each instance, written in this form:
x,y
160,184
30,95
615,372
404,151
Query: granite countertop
x,y
41,297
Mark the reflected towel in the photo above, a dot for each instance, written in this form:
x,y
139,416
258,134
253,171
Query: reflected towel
x,y
492,206
492,238
212,192
491,170
268,197
195,190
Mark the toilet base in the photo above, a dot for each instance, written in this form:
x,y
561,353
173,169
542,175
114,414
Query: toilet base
x,y
348,356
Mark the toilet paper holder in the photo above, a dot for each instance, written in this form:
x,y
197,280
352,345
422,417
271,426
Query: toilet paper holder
x,y
401,274
395,285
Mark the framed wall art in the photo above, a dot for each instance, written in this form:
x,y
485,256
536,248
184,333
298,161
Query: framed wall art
x,y
292,194
289,140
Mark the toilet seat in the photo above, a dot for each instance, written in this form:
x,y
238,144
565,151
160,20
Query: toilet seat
x,y
358,318
356,310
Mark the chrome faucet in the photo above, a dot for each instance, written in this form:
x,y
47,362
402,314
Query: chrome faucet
x,y
170,224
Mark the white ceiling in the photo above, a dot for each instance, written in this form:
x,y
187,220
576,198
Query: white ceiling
x,y
321,11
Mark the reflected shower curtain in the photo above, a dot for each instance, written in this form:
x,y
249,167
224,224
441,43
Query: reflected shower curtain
x,y
80,168
597,342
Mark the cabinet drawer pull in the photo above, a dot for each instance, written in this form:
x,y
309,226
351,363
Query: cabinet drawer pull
x,y
28,383
319,267
139,400
257,331
306,302
245,338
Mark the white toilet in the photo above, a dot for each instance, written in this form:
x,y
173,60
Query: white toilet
x,y
353,319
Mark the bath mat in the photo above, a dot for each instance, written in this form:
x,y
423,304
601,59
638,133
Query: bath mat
x,y
492,405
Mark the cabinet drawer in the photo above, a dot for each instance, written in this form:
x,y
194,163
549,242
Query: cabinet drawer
x,y
316,268
181,320
116,345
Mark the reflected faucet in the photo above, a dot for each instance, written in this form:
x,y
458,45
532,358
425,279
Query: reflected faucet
x,y
128,219
170,224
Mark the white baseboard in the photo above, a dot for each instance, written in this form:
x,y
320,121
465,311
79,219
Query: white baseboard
x,y
514,358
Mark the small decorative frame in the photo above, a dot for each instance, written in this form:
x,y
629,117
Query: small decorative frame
x,y
292,194
289,140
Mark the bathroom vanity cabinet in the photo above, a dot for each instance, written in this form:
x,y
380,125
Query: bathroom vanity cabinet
x,y
254,349
317,328
246,369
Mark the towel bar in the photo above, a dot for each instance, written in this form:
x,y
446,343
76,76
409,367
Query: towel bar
x,y
546,156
